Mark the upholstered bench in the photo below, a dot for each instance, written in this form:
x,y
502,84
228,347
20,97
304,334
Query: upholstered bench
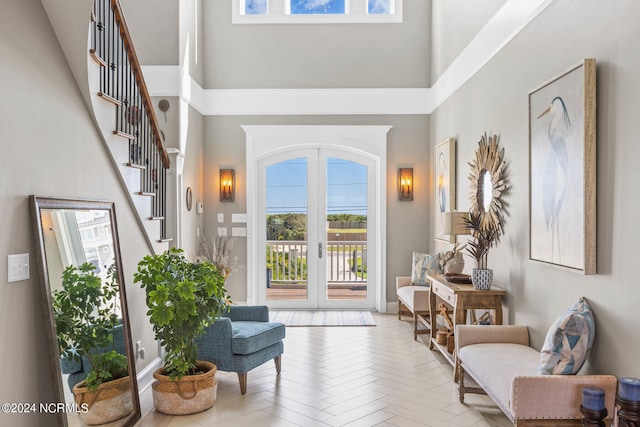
x,y
498,358
242,340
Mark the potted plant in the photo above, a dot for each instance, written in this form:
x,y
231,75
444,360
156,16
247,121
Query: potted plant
x,y
85,311
483,239
183,299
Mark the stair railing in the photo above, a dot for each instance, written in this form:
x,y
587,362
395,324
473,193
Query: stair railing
x,y
122,83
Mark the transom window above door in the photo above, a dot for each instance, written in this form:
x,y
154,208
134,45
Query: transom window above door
x,y
316,11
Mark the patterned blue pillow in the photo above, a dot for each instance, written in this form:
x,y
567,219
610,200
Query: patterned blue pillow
x,y
419,269
433,264
568,341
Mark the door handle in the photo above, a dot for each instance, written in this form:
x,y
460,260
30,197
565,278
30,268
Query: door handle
x,y
320,250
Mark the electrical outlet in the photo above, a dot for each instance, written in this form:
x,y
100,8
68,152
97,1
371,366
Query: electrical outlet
x,y
140,353
18,267
222,231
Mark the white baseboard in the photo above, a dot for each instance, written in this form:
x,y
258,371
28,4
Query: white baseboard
x,y
145,377
392,307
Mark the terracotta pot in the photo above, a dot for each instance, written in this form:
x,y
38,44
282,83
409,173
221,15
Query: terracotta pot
x,y
109,402
188,395
482,278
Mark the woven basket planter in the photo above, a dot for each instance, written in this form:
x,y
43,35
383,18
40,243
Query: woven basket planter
x,y
109,402
191,394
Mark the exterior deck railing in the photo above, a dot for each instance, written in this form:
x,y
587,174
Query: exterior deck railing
x,y
346,262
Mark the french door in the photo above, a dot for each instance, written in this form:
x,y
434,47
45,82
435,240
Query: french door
x,y
314,217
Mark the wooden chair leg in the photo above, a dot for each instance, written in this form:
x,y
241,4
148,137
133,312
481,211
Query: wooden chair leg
x,y
461,389
399,310
415,327
243,382
277,361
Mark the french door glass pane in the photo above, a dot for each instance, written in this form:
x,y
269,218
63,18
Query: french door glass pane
x,y
287,230
315,7
346,196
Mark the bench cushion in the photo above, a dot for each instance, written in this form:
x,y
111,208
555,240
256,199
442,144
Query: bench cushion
x,y
249,337
406,294
494,365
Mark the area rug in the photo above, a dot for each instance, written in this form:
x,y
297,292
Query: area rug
x,y
323,318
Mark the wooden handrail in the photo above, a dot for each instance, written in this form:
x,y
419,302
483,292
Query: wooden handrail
x,y
137,71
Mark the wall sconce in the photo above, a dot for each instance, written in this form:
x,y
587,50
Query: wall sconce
x,y
405,184
227,185
453,223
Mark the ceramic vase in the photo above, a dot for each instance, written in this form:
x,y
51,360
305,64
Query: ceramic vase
x,y
482,278
456,264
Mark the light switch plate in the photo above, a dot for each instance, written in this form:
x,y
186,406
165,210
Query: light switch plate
x,y
239,231
239,217
220,217
18,267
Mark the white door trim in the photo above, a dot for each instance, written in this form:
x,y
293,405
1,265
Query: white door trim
x,y
367,141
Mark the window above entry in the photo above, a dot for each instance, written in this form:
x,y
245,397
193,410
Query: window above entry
x,y
316,11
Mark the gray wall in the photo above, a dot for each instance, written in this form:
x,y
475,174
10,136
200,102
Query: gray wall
x,y
192,177
153,25
316,56
495,100
408,225
51,148
454,24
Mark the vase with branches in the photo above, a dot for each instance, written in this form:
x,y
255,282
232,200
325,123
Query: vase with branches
x,y
218,251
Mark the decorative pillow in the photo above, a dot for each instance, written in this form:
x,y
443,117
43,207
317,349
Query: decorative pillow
x,y
419,269
433,264
568,341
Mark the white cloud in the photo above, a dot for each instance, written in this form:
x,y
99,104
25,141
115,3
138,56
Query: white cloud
x,y
312,4
256,6
379,6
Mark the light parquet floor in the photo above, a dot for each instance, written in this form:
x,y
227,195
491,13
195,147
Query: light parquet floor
x,y
343,376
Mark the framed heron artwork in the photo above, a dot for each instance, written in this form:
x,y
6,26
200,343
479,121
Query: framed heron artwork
x,y
445,185
562,170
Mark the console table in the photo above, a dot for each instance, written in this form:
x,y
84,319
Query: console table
x,y
460,298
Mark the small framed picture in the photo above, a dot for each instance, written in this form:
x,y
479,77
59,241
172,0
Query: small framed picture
x,y
445,185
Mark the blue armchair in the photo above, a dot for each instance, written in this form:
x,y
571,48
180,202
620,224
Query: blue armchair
x,y
242,340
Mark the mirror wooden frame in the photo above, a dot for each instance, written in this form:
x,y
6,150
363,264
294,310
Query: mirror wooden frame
x,y
488,157
37,204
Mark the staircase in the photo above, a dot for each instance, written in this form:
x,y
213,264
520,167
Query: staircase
x,y
121,107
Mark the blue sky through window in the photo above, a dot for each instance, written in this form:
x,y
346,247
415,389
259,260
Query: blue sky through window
x,y
324,7
255,7
379,7
346,187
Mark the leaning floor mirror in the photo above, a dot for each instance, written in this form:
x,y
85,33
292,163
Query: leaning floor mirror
x,y
85,311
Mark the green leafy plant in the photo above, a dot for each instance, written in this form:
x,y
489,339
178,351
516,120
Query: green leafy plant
x,y
484,238
183,299
85,313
